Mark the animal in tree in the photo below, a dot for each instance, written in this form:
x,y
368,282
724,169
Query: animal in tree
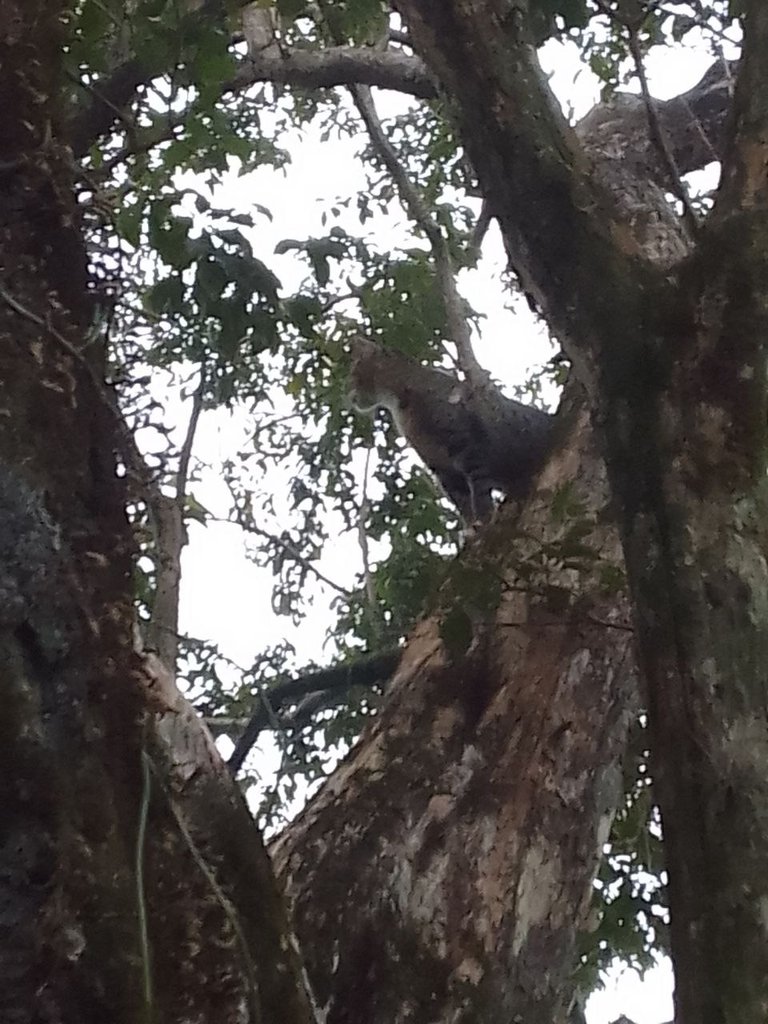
x,y
472,437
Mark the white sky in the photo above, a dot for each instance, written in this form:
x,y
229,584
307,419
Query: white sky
x,y
225,598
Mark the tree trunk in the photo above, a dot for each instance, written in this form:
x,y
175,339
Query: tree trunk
x,y
675,366
119,867
686,458
445,870
411,839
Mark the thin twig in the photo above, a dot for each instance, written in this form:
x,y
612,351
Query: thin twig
x,y
362,538
417,209
481,227
189,438
456,321
656,131
289,549
659,138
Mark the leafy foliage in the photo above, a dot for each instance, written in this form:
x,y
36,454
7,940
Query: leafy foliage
x,y
629,904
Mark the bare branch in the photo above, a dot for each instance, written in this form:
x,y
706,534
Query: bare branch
x,y
370,589
167,517
366,671
289,548
659,138
308,69
481,227
456,320
338,65
186,448
304,562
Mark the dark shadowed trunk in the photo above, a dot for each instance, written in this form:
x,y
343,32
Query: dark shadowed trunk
x,y
674,357
119,866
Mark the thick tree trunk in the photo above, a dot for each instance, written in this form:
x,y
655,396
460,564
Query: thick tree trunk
x,y
686,457
445,870
120,864
675,366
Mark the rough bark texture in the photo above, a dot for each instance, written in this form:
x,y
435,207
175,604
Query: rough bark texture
x,y
675,365
81,762
444,871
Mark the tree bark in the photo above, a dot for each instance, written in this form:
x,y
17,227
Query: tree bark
x,y
444,871
675,365
121,862
411,839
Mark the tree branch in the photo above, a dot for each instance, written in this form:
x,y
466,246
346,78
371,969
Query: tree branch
x,y
362,538
296,555
339,65
308,69
659,138
167,517
455,316
108,96
744,182
562,228
371,669
107,100
693,124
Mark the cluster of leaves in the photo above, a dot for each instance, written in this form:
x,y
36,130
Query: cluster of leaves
x,y
197,294
630,908
604,41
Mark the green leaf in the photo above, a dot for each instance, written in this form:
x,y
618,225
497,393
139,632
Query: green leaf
x,y
167,296
128,222
195,511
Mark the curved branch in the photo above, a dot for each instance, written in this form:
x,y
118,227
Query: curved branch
x,y
366,671
307,69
